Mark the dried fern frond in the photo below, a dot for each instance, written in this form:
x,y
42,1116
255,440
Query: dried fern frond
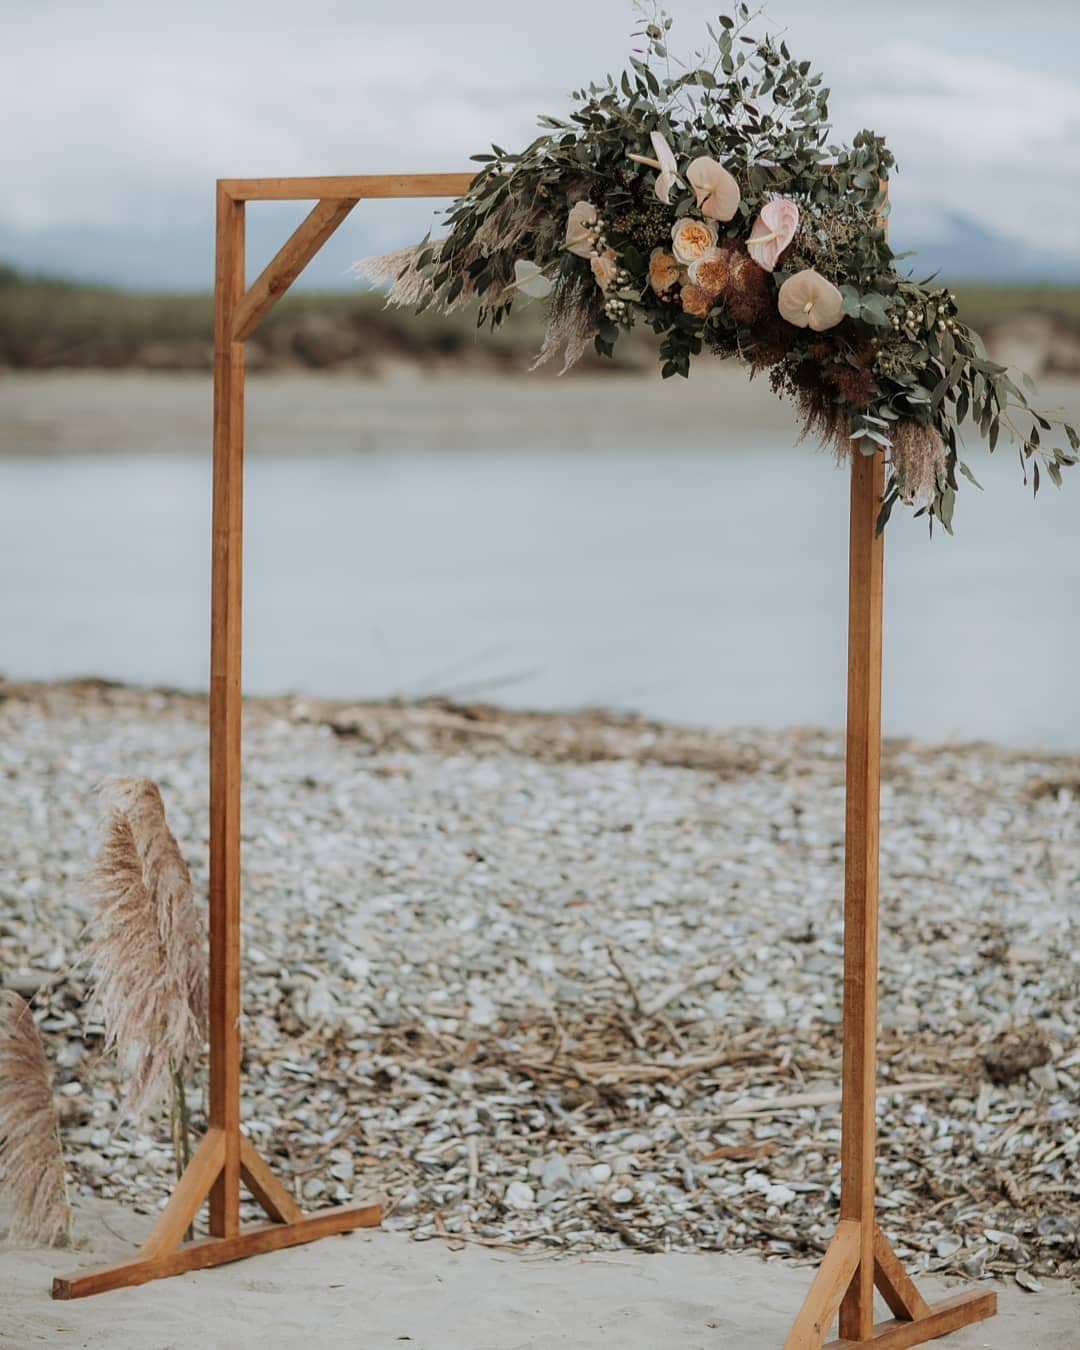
x,y
148,952
31,1157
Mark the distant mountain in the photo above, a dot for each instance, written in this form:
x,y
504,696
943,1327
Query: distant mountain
x,y
961,249
181,257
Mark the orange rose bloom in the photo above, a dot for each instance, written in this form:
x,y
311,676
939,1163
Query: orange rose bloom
x,y
663,270
696,301
713,272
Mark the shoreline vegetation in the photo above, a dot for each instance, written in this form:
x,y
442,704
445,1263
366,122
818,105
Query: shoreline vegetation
x,y
48,323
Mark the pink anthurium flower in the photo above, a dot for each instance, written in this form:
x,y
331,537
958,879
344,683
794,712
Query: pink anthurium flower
x,y
773,230
717,192
809,301
664,164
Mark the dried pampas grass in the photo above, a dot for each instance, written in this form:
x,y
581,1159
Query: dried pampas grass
x,y
31,1156
571,322
148,952
407,284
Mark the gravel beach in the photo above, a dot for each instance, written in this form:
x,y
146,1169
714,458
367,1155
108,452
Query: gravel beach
x,y
572,984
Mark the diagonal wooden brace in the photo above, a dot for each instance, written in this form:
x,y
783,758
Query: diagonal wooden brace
x,y
831,1283
187,1199
286,265
896,1286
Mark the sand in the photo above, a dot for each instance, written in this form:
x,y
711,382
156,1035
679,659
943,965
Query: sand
x,y
380,1290
132,412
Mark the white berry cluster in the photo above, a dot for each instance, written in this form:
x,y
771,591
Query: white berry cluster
x,y
929,316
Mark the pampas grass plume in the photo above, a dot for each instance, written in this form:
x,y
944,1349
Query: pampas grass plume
x,y
148,950
31,1157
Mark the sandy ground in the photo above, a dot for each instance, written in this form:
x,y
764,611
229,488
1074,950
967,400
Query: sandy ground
x,y
133,412
381,1290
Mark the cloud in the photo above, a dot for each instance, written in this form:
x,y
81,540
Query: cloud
x,y
986,139
127,112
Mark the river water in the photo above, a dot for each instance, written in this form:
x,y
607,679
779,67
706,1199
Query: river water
x,y
694,585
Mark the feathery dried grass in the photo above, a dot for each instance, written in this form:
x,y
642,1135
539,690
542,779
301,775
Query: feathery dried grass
x,y
408,286
571,322
148,953
824,421
31,1157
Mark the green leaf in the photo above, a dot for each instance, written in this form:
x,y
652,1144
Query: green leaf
x,y
852,298
968,474
945,506
874,309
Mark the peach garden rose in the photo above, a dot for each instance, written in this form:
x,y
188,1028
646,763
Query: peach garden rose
x,y
691,239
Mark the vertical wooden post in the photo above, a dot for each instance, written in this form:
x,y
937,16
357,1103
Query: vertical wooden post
x,y
858,1125
226,714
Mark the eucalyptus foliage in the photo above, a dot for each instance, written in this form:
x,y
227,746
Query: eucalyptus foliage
x,y
901,365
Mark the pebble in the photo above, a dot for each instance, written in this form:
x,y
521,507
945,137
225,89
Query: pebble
x,y
519,1195
432,898
557,1174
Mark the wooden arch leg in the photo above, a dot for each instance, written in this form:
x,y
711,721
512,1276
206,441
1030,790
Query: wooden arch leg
x,y
226,1158
163,1253
860,1257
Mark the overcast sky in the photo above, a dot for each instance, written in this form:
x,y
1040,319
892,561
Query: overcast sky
x,y
119,114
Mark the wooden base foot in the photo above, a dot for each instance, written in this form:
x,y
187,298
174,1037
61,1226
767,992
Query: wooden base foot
x,y
940,1318
265,1237
837,1282
163,1254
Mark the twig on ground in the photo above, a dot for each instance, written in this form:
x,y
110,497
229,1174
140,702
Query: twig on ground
x,y
617,1225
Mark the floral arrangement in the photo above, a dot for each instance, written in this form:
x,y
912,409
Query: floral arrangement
x,y
704,200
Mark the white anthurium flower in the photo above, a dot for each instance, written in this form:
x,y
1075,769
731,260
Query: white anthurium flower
x,y
530,280
664,164
717,192
579,229
774,229
809,301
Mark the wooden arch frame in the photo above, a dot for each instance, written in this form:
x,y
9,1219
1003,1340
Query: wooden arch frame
x,y
859,1258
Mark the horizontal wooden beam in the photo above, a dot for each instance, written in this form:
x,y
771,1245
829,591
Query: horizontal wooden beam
x,y
948,1315
347,185
216,1251
287,264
